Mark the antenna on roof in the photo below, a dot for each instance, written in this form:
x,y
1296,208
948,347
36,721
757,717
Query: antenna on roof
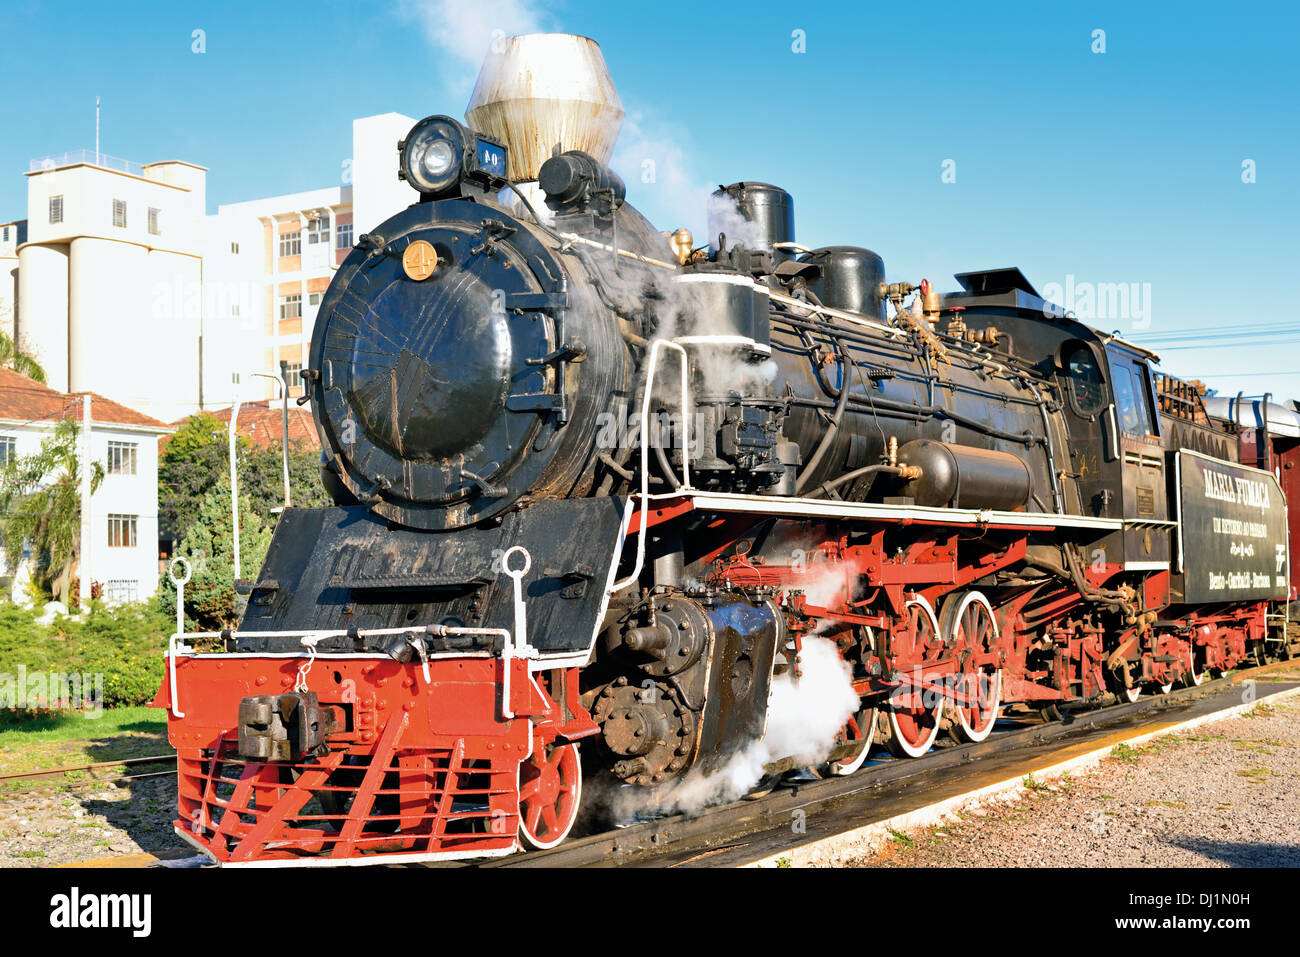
x,y
96,131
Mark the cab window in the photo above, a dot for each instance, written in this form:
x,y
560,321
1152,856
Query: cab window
x,y
1086,387
1132,401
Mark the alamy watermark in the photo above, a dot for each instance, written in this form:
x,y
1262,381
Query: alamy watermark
x,y
52,691
1099,301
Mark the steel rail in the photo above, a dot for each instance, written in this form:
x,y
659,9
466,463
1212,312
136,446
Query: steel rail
x,y
726,824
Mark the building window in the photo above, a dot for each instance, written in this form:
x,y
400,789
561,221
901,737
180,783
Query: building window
x,y
56,209
234,310
234,248
122,590
291,244
121,458
293,373
8,449
6,239
119,213
121,531
291,307
313,299
318,229
343,236
154,229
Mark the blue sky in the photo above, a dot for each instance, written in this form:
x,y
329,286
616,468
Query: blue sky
x,y
1084,168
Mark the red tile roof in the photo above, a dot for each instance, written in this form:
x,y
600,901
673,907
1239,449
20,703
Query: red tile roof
x,y
261,424
26,400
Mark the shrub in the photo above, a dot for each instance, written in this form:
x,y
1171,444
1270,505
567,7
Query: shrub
x,y
124,643
210,600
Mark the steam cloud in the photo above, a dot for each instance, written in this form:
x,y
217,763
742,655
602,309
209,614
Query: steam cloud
x,y
463,31
804,716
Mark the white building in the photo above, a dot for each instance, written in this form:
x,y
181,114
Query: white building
x,y
122,553
108,245
126,287
12,235
269,261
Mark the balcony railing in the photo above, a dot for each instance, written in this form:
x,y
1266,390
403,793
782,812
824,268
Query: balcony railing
x,y
72,157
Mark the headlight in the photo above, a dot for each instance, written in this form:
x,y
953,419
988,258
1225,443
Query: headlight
x,y
433,153
438,160
439,153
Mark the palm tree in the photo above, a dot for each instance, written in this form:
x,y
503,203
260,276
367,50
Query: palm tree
x,y
20,362
40,503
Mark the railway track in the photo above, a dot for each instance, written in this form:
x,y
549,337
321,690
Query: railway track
x,y
732,833
91,769
747,830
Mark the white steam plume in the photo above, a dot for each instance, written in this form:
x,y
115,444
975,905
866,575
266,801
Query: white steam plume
x,y
463,31
725,217
803,718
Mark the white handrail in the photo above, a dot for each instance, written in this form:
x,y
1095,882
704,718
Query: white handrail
x,y
651,368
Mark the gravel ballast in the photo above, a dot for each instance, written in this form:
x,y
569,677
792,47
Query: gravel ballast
x,y
48,827
1224,794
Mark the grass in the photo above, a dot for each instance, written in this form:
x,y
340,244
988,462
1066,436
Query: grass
x,y
67,738
1034,784
1130,755
1259,711
899,838
1255,773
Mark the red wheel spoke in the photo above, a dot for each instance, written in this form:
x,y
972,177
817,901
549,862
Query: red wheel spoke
x,y
534,817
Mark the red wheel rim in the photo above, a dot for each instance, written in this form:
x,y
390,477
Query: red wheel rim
x,y
913,724
859,728
550,789
976,634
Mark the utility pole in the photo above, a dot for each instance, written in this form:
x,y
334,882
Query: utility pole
x,y
284,427
234,489
83,577
282,390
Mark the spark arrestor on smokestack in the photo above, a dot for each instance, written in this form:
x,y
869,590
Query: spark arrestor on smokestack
x,y
545,93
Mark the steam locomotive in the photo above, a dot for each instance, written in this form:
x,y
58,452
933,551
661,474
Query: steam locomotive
x,y
596,487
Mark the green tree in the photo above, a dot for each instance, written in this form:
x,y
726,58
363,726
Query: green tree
x,y
208,545
198,454
40,504
20,362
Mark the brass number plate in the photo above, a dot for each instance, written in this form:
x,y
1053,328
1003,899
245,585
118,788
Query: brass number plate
x,y
419,261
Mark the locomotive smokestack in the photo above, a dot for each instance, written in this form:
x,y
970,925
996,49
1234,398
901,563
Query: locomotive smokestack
x,y
542,90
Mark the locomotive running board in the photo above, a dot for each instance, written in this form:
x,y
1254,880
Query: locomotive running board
x,y
821,508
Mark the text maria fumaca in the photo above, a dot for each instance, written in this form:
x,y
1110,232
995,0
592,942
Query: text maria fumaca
x,y
77,910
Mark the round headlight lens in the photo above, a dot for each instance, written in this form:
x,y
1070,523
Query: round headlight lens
x,y
438,160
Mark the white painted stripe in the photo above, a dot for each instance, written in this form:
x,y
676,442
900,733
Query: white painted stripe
x,y
768,504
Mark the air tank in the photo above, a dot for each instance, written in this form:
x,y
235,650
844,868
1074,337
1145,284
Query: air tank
x,y
757,215
849,279
963,476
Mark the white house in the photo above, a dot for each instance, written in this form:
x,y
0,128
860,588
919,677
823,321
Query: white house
x,y
122,553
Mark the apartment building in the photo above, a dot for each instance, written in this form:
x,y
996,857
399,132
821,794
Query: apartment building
x,y
12,235
125,286
268,265
111,249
